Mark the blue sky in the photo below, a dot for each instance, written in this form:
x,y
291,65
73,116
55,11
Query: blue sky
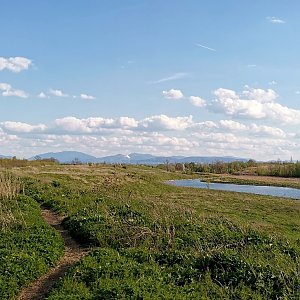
x,y
108,77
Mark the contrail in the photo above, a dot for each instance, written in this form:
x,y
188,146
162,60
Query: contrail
x,y
205,47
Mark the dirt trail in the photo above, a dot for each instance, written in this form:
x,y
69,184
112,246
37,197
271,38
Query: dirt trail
x,y
73,253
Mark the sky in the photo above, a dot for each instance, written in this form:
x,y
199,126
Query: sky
x,y
172,77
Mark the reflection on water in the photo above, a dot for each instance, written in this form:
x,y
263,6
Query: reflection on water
x,y
253,189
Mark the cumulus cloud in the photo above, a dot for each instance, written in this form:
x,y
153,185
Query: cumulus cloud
x,y
163,122
73,124
94,125
232,125
87,97
15,64
160,134
58,93
197,101
127,122
263,130
173,94
22,127
8,91
260,95
5,86
42,95
252,129
100,125
253,104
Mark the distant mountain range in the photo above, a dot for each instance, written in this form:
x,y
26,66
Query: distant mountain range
x,y
132,158
4,156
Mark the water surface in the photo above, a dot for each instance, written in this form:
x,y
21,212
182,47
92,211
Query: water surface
x,y
252,189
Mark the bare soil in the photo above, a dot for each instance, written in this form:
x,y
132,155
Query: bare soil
x,y
73,253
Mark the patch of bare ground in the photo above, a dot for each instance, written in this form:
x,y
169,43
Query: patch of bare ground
x,y
72,254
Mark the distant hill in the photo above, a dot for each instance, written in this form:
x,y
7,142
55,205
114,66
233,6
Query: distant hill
x,y
66,156
133,158
119,158
4,156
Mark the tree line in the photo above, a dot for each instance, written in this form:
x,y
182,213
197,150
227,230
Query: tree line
x,y
15,162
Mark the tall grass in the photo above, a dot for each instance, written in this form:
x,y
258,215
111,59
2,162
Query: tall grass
x,y
10,188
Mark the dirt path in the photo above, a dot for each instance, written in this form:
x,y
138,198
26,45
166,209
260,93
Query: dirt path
x,y
73,252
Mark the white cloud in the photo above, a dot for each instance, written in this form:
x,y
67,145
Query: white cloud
x,y
5,86
275,20
58,93
197,101
205,47
232,125
15,64
252,129
172,77
204,126
8,91
127,122
259,104
273,82
22,127
16,93
72,124
260,95
103,125
94,125
226,94
42,95
163,122
263,130
87,97
161,135
173,94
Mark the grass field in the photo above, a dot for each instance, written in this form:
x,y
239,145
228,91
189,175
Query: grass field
x,y
28,246
152,240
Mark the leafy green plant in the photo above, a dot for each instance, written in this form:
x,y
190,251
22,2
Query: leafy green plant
x,y
28,249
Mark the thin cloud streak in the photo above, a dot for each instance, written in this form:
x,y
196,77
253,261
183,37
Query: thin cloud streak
x,y
205,47
175,76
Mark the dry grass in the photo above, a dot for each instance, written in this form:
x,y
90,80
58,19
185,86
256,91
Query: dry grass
x,y
10,188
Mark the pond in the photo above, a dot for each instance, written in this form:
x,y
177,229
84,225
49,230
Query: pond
x,y
252,189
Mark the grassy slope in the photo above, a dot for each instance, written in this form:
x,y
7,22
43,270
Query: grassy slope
x,y
28,246
183,243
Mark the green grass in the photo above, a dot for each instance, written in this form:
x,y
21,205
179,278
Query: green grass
x,y
163,242
137,274
28,246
